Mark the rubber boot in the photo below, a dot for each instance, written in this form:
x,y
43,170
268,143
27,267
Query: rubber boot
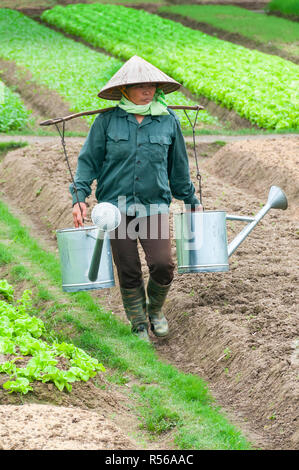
x,y
157,294
134,302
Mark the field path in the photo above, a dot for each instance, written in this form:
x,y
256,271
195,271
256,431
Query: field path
x,y
33,139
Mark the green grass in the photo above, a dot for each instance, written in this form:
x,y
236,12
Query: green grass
x,y
178,402
18,272
5,256
256,26
11,145
44,131
286,7
241,131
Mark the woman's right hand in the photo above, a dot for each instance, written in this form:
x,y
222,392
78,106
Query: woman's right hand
x,y
77,216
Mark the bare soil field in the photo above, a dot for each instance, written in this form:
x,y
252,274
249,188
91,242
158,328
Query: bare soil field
x,y
238,330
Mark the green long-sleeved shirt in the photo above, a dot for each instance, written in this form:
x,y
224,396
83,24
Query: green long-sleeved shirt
x,y
138,167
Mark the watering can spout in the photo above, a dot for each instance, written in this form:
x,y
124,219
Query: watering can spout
x,y
276,200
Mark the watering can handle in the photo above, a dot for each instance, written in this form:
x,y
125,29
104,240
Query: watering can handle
x,y
198,175
96,258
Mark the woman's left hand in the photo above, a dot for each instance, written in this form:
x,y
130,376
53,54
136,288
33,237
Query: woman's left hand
x,y
198,208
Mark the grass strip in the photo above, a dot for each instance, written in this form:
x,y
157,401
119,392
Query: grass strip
x,y
168,399
259,27
286,7
11,145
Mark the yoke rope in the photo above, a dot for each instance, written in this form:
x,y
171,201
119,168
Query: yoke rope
x,y
62,134
198,175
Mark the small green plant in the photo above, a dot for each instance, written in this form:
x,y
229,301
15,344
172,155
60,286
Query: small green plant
x,y
227,353
6,290
250,317
238,377
38,191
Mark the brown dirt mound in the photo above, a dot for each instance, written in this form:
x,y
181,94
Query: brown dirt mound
x,y
257,168
238,330
44,418
46,427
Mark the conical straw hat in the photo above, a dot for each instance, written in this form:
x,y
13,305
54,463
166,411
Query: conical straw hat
x,y
137,70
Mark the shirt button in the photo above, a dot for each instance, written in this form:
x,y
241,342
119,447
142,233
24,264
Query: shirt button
x,y
137,178
138,161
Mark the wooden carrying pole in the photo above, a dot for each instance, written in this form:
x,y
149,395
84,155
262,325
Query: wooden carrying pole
x,y
49,122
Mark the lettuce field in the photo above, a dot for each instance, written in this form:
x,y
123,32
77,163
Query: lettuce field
x,y
260,87
72,69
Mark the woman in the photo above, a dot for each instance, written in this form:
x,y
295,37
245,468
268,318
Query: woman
x,y
137,154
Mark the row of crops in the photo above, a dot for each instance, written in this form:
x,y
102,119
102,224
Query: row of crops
x,y
13,113
68,67
258,86
22,341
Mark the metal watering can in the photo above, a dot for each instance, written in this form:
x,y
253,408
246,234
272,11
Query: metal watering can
x,y
201,238
85,253
76,247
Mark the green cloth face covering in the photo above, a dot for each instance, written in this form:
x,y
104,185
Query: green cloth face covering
x,y
157,107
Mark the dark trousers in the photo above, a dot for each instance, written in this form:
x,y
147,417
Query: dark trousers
x,y
154,235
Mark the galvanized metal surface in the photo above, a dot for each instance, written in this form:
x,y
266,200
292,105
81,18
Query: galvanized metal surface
x,y
201,241
201,238
76,248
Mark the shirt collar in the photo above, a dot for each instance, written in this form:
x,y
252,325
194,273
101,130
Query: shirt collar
x,y
122,113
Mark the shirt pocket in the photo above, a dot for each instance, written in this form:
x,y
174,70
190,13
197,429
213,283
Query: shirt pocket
x,y
159,145
117,144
